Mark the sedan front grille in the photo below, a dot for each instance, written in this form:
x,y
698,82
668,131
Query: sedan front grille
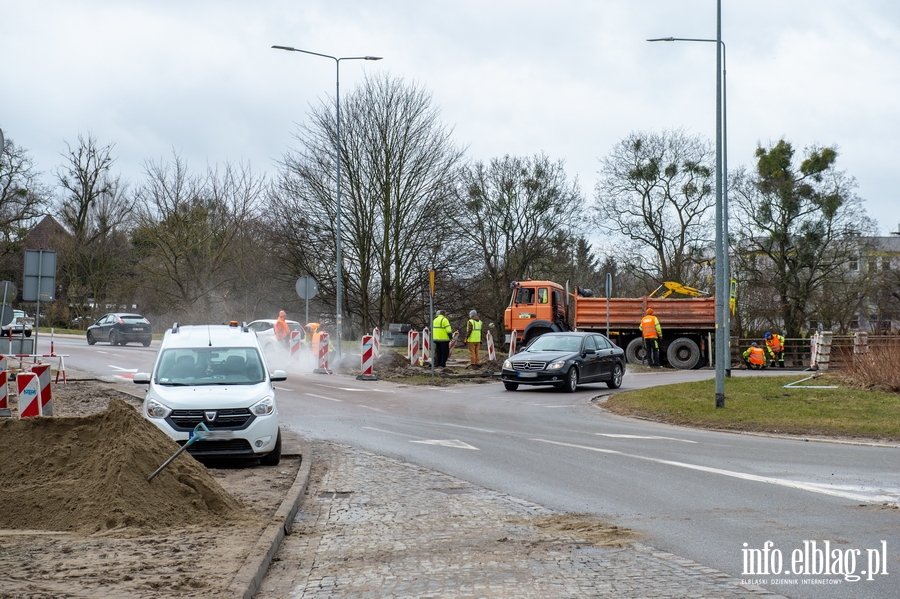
x,y
529,366
225,419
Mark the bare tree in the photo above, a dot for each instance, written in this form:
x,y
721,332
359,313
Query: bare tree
x,y
96,208
656,191
513,213
22,196
397,164
189,235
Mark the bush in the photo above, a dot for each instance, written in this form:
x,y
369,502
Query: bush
x,y
876,369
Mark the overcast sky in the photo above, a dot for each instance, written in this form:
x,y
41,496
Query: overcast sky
x,y
567,78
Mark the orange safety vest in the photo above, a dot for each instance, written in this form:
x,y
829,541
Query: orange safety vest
x,y
650,327
775,343
757,356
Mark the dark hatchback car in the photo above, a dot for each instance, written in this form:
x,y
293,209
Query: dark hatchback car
x,y
566,360
119,329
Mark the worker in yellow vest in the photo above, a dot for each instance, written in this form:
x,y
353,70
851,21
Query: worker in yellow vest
x,y
441,331
652,332
473,338
755,357
775,347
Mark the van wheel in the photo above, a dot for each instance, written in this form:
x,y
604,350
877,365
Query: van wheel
x,y
273,457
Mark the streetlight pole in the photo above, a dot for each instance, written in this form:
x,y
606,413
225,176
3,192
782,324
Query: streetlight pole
x,y
337,162
723,279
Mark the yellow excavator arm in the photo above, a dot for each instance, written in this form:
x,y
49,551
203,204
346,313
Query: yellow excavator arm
x,y
672,287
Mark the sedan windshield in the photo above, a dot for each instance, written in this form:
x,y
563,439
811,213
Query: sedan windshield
x,y
210,366
561,343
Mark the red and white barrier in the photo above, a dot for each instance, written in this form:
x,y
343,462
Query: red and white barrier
x,y
43,373
323,355
454,340
295,345
368,359
29,388
512,343
492,353
376,341
4,389
412,347
426,347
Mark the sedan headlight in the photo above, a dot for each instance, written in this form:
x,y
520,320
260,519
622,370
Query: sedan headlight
x,y
507,364
556,365
263,407
157,410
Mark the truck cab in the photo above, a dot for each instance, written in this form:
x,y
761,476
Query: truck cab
x,y
535,308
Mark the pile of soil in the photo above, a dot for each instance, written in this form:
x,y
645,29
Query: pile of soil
x,y
89,474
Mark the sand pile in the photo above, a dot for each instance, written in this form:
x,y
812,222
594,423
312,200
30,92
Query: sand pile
x,y
89,474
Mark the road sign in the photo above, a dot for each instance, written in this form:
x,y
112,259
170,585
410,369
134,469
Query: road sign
x,y
307,287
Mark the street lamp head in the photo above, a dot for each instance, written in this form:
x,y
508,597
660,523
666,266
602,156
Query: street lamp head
x,y
662,39
288,48
372,57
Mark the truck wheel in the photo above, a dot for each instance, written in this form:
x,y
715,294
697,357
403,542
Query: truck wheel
x,y
635,353
683,353
532,334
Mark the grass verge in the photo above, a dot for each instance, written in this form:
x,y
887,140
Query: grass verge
x,y
763,404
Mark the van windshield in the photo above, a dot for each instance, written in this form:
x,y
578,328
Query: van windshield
x,y
210,366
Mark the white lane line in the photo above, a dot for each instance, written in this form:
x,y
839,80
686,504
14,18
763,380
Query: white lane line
x,y
644,437
120,369
277,388
323,397
454,443
843,491
369,407
368,390
471,428
381,430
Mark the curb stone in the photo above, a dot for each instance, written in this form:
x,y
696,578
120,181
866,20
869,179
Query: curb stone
x,y
246,582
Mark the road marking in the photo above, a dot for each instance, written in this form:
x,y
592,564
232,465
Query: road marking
x,y
282,388
454,443
471,428
370,390
120,369
644,437
381,430
843,491
546,405
323,397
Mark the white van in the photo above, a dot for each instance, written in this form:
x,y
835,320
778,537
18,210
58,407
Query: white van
x,y
216,375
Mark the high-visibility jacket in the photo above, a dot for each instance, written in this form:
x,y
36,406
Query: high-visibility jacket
x,y
650,327
441,329
755,355
775,344
282,330
474,335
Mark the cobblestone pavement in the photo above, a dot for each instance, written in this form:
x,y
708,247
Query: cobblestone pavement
x,y
371,526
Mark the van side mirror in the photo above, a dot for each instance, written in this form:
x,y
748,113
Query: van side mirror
x,y
141,378
278,375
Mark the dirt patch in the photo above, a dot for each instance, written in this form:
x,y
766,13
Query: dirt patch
x,y
583,528
79,518
393,366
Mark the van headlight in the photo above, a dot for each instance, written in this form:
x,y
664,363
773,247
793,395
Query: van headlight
x,y
263,407
157,410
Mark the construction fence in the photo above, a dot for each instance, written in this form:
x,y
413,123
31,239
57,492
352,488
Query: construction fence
x,y
798,353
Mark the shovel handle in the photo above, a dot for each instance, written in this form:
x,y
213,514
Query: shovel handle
x,y
193,438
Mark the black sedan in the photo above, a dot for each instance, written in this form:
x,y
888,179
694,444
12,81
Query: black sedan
x,y
566,360
119,329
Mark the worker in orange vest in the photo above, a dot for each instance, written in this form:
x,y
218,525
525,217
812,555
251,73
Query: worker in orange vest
x,y
775,346
755,357
652,332
282,330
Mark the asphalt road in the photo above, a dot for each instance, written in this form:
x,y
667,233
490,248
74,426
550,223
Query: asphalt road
x,y
716,498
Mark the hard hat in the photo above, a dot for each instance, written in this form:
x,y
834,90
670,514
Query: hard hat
x,y
768,334
473,313
754,344
649,311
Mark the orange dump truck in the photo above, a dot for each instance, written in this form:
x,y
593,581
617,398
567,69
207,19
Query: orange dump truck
x,y
539,307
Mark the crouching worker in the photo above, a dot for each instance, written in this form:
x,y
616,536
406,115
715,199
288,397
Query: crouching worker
x,y
755,357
